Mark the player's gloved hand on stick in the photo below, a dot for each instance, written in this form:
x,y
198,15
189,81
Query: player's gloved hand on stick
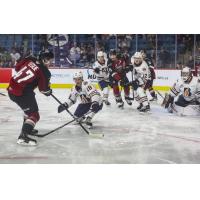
x,y
117,77
97,70
62,107
168,100
124,82
48,92
135,84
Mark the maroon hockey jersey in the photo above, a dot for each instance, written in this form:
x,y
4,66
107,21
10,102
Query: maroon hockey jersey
x,y
30,74
118,68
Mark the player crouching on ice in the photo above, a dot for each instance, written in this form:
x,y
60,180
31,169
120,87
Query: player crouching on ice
x,y
102,73
90,99
188,89
31,73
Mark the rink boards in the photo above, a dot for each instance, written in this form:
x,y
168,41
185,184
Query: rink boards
x,y
63,78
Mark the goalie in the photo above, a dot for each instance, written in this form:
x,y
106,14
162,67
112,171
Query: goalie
x,y
187,89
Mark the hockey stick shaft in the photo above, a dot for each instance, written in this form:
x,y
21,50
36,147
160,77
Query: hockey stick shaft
x,y
45,134
86,131
159,94
2,94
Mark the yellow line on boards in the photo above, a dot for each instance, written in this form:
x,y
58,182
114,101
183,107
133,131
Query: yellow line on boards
x,y
162,88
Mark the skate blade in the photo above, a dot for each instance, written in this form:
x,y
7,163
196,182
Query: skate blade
x,y
145,113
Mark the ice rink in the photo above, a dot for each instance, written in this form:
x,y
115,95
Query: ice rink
x,y
130,137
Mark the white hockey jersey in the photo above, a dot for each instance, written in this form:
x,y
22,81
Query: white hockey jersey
x,y
87,93
190,91
141,73
104,73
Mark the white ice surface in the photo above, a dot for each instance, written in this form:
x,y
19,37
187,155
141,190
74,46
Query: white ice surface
x,y
130,137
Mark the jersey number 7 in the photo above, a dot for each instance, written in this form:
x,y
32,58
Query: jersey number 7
x,y
23,75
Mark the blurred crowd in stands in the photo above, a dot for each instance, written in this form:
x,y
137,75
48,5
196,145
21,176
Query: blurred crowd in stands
x,y
79,50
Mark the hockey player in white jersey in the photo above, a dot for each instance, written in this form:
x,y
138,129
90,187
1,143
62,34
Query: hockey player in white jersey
x,y
187,89
101,71
141,75
90,99
149,85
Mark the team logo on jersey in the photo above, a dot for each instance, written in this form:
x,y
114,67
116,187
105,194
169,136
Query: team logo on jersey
x,y
187,92
91,75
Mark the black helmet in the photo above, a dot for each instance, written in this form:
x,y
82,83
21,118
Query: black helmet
x,y
46,55
113,52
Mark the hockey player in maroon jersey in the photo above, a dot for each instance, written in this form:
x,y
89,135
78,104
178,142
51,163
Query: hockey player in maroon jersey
x,y
118,69
31,73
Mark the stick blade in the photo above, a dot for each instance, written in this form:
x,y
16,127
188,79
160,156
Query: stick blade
x,y
96,135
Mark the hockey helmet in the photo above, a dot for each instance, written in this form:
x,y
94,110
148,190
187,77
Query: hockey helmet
x,y
137,55
186,74
46,55
78,75
136,59
101,56
143,52
112,52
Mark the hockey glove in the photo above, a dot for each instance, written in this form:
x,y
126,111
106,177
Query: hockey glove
x,y
62,107
168,100
97,70
117,77
124,82
135,84
48,92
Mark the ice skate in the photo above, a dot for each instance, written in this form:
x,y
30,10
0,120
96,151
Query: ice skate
x,y
128,101
88,122
23,139
145,109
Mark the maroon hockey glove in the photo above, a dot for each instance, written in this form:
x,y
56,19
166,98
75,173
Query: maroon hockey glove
x,y
117,77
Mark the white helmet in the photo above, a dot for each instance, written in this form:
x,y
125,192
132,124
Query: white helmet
x,y
100,54
137,55
186,73
78,75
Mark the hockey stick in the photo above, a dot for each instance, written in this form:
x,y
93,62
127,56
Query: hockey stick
x,y
132,84
2,94
89,133
159,94
45,134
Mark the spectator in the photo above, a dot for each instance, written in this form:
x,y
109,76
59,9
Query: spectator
x,y
179,66
6,59
190,62
75,52
15,56
164,58
91,53
153,57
